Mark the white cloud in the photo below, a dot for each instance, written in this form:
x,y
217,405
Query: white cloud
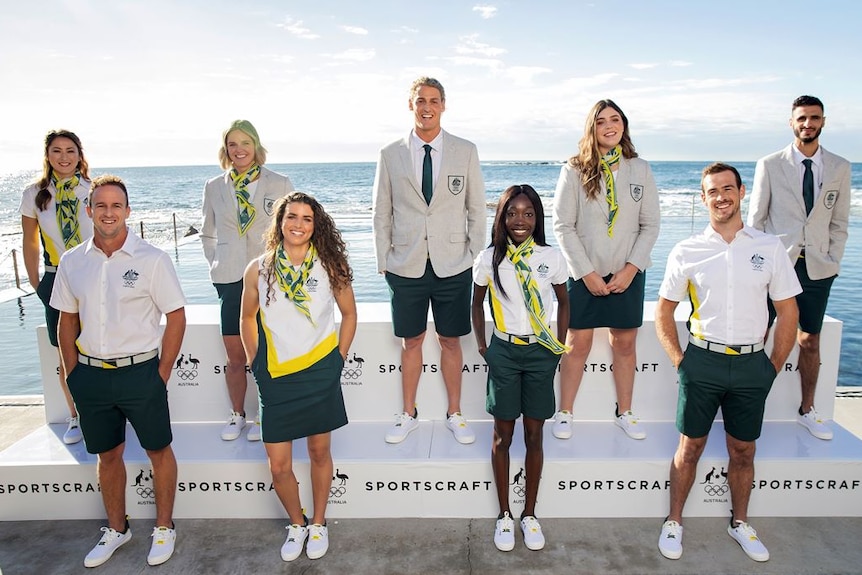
x,y
643,66
355,30
524,75
355,55
296,28
473,61
469,45
485,10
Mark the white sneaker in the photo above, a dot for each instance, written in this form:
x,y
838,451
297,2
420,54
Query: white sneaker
x,y
233,427
562,427
318,541
533,537
504,533
73,432
254,433
459,428
404,424
292,547
630,424
111,541
670,540
812,422
746,536
163,545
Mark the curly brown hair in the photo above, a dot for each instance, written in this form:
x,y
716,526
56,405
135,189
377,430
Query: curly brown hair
x,y
326,238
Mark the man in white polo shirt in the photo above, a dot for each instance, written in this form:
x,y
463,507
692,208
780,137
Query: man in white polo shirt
x,y
727,272
111,292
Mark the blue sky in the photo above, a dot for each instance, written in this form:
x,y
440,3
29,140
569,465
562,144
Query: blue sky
x,y
154,82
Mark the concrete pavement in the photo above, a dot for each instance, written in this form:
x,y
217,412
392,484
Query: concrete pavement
x,y
439,546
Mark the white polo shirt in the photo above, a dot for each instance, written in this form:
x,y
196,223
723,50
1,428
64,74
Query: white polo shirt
x,y
120,299
510,312
52,239
728,283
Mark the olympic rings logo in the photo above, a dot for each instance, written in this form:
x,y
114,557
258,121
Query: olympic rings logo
x,y
146,492
716,490
348,373
519,490
337,492
187,374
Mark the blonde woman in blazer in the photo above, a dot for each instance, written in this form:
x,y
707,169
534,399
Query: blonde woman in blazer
x,y
426,248
607,252
229,250
815,241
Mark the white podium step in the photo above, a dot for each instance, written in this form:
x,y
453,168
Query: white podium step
x,y
598,473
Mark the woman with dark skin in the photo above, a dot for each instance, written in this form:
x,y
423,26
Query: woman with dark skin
x,y
522,274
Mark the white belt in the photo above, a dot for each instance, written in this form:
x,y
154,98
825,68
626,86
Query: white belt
x,y
117,361
51,269
725,349
516,339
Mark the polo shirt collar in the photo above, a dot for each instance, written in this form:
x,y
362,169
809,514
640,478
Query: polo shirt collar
x,y
129,246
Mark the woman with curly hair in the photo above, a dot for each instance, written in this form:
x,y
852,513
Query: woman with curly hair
x,y
287,326
606,220
53,214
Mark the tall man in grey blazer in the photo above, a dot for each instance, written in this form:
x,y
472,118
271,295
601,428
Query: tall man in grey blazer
x,y
429,225
802,195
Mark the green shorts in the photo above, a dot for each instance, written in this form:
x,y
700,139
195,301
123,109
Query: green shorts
x,y
230,298
106,398
811,302
449,299
520,380
52,316
739,384
308,402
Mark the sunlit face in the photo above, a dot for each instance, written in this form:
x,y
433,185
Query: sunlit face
x,y
63,155
109,210
297,226
240,150
722,196
609,129
807,123
427,106
520,219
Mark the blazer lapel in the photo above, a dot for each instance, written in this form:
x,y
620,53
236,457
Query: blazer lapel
x,y
450,152
791,174
407,165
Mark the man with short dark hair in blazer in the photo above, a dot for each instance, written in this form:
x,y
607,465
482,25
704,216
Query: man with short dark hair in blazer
x,y
429,225
812,223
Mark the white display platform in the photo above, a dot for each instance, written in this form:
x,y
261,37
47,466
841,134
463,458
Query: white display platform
x,y
598,473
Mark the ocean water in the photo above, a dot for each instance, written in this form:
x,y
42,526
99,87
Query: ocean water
x,y
160,196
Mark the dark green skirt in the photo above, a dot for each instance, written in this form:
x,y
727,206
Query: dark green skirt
x,y
304,403
617,310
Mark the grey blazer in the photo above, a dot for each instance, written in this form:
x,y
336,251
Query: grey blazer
x,y
776,207
227,252
450,231
581,224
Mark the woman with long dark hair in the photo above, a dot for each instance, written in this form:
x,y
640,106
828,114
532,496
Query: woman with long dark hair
x,y
54,216
522,274
606,220
288,331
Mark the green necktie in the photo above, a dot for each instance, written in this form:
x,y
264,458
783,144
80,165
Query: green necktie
x,y
427,175
808,186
